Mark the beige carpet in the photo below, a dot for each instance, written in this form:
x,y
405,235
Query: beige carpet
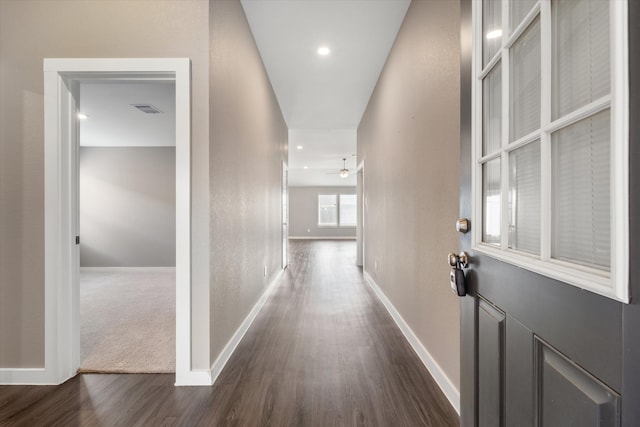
x,y
127,322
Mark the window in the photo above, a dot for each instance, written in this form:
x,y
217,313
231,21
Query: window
x,y
348,210
327,210
550,139
337,210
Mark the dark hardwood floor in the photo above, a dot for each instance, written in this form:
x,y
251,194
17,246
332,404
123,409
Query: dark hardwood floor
x,y
322,352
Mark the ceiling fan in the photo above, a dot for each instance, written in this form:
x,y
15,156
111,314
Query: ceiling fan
x,y
344,172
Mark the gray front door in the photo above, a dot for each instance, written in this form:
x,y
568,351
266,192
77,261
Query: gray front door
x,y
536,351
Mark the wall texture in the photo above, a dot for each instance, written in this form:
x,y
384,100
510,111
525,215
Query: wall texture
x,y
37,29
409,141
248,147
127,206
303,213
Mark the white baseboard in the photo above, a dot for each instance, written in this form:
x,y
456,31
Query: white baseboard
x,y
322,238
441,378
195,377
24,376
127,269
228,350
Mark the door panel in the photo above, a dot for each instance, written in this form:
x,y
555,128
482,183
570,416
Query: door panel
x,y
568,395
491,358
518,373
553,354
575,321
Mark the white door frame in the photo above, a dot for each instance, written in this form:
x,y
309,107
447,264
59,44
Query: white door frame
x,y
362,209
285,215
61,82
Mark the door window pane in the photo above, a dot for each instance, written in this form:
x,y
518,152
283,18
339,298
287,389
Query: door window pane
x,y
491,29
581,55
525,83
492,111
581,191
348,210
327,210
491,202
524,198
518,9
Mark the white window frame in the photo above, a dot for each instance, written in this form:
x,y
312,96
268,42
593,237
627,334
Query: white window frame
x,y
338,223
612,284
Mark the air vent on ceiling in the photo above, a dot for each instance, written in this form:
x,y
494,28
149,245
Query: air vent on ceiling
x,y
147,108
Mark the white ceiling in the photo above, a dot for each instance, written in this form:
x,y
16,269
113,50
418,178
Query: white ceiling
x,y
322,153
323,94
114,122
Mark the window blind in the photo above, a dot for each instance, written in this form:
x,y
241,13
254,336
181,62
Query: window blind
x,y
525,83
327,209
348,215
491,25
492,110
518,9
524,198
581,193
491,202
580,57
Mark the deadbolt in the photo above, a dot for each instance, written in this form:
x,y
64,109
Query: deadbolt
x,y
462,225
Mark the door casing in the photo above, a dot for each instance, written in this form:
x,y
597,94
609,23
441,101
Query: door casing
x,y
360,215
61,81
285,215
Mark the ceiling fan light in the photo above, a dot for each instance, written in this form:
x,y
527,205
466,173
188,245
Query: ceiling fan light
x,y
344,173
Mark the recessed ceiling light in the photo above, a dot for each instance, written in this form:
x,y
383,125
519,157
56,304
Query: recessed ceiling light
x,y
306,167
494,34
82,116
299,147
324,51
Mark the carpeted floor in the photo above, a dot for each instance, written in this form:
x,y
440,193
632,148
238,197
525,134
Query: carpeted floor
x,y
127,322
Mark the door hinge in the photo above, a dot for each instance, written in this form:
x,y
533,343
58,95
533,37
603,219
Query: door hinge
x,y
77,240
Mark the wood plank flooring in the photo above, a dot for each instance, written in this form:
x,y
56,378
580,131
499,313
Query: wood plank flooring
x,y
322,352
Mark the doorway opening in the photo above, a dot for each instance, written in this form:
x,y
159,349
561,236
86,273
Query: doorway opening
x,y
127,215
63,79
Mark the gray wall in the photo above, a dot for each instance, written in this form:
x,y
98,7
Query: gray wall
x,y
37,29
248,146
235,218
409,141
303,213
127,206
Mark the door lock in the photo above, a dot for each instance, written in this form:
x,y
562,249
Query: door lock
x,y
456,276
461,260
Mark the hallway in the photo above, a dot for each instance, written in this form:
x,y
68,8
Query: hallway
x,y
322,352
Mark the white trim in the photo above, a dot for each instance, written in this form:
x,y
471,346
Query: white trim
x,y
438,374
194,377
227,351
61,77
322,238
620,152
23,376
127,269
284,215
361,216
